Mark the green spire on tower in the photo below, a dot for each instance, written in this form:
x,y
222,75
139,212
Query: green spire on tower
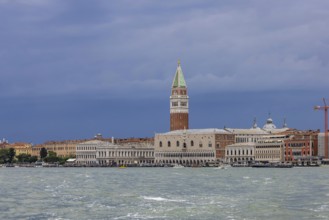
x,y
179,80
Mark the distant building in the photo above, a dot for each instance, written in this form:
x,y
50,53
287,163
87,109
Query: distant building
x,y
61,148
269,150
191,147
3,141
321,146
240,152
86,151
113,154
19,147
98,152
179,118
261,148
255,133
67,148
200,146
301,145
22,148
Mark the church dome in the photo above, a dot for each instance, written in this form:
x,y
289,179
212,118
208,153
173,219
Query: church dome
x,y
269,124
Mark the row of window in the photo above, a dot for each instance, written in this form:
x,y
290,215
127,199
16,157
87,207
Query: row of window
x,y
182,92
86,162
104,162
184,144
298,144
269,146
244,140
88,156
85,148
298,153
239,152
185,154
125,153
267,152
185,161
176,104
267,156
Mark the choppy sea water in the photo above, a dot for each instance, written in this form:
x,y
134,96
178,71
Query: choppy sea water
x,y
164,193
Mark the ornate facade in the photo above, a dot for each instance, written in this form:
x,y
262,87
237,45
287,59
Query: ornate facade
x,y
193,147
99,152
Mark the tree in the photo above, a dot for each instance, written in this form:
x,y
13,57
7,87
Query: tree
x,y
52,157
3,155
52,154
26,158
43,153
33,159
11,155
22,158
7,155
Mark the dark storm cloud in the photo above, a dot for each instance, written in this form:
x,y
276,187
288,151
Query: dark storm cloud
x,y
63,47
99,65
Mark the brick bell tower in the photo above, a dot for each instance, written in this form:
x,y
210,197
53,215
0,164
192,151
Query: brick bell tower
x,y
179,102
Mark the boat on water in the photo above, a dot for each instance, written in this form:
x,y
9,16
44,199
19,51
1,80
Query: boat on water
x,y
240,165
222,167
272,165
178,166
122,166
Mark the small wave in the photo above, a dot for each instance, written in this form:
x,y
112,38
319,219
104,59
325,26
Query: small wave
x,y
160,199
322,208
246,177
92,204
138,216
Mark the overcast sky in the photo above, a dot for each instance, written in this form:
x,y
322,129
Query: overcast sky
x,y
71,69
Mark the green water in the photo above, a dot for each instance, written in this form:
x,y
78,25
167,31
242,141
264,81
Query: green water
x,y
164,193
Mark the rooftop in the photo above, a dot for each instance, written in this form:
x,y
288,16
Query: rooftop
x,y
196,131
179,80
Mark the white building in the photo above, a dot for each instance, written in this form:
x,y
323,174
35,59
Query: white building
x,y
256,133
249,143
86,152
321,152
97,152
269,150
191,147
125,155
240,152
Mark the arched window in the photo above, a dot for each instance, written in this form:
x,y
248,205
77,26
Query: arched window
x,y
192,143
200,144
184,145
169,145
209,144
160,144
177,143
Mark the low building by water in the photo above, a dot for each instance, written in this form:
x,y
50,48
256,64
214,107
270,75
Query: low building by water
x,y
191,147
269,150
105,153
